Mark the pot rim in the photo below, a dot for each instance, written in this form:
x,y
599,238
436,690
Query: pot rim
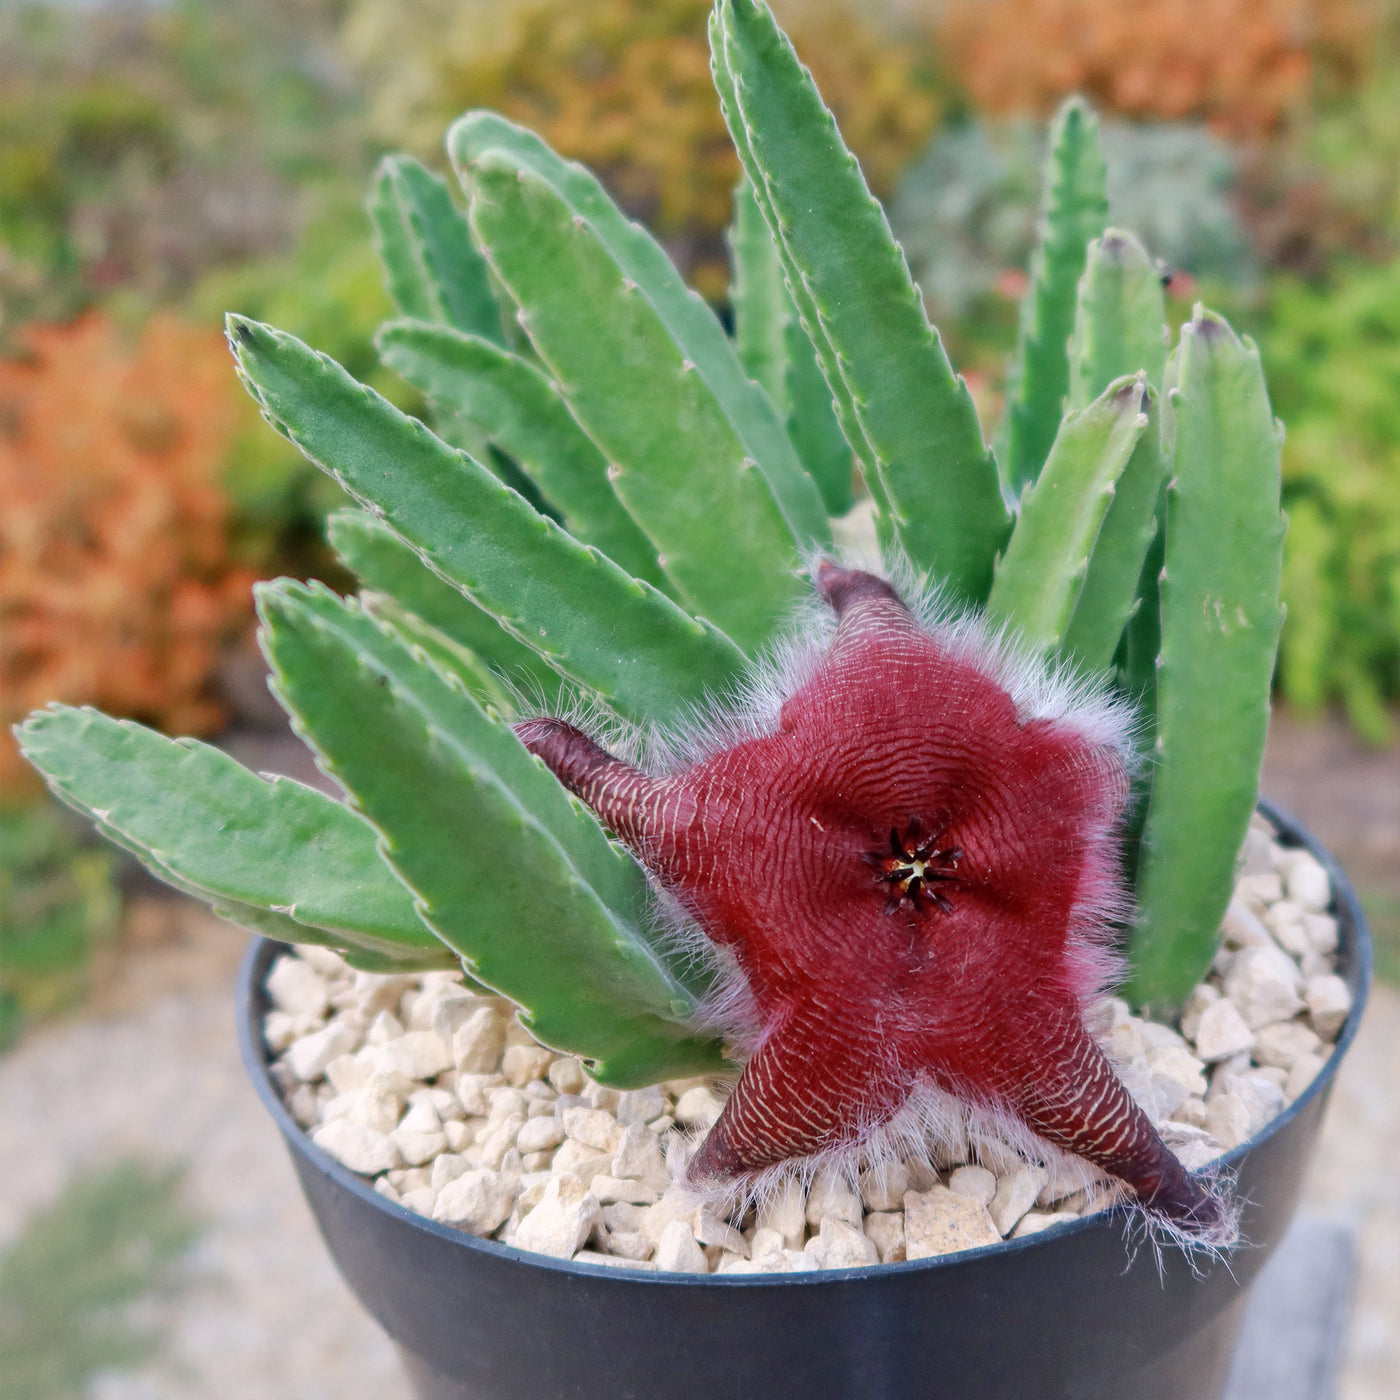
x,y
1120,1217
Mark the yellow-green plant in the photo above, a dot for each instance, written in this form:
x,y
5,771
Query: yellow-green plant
x,y
1334,355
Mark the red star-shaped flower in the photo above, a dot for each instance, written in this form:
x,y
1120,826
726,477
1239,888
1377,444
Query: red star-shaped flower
x,y
913,878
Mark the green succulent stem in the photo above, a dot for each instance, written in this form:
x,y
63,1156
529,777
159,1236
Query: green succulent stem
x,y
1074,211
1220,620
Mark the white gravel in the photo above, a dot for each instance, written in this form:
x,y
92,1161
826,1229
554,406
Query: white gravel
x,y
537,1151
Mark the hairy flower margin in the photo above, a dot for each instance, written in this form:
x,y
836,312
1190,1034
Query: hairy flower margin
x,y
900,848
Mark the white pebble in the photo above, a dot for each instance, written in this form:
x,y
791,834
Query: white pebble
x,y
419,1148
630,1244
1264,984
1307,881
376,1105
1329,1004
421,1117
674,1205
459,1135
976,1182
1227,1119
326,961
1015,1195
1037,1221
1243,928
882,1186
473,1094
583,1161
420,1201
417,1054
500,1138
1259,890
297,988
357,1147
1322,932
1221,1032
451,1011
447,1166
1285,921
346,1074
698,1107
479,1202
280,1029
593,1128
831,1198
839,1245
709,1229
566,1215
522,1063
1262,1096
783,1210
1178,1063
639,1158
678,1251
596,1095
566,1075
885,1230
540,1134
1200,997
994,1154
609,1189
640,1106
378,991
1281,1043
384,1028
309,1056
939,1222
304,1105
478,1042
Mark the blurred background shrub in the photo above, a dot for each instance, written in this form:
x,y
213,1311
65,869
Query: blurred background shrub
x,y
58,903
624,86
117,585
1333,351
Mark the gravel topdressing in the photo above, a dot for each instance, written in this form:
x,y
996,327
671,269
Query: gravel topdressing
x,y
440,1097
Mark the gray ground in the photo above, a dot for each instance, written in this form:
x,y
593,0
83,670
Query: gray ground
x,y
151,1067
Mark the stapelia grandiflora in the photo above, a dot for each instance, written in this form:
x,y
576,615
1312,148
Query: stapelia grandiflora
x,y
915,872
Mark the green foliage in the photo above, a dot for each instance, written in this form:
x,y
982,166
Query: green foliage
x,y
636,421
71,1282
908,417
433,269
1074,212
1220,620
588,619
1041,575
58,901
423,762
286,858
1333,353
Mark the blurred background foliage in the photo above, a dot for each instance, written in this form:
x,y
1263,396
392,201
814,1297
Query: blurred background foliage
x,y
166,161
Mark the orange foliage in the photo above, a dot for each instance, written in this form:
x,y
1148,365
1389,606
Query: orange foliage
x,y
1242,65
116,587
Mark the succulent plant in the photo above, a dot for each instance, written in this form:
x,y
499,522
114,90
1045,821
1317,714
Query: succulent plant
x,y
879,862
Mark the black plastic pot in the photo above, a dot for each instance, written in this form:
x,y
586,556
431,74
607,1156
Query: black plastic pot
x,y
1072,1312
